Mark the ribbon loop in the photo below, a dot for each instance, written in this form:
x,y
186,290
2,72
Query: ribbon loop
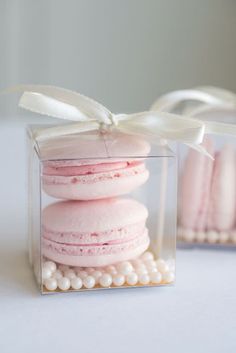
x,y
207,99
211,96
61,103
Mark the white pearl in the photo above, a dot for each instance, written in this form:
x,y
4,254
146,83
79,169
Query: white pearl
x,y
171,264
162,266
69,274
111,269
141,267
125,267
50,284
168,277
150,264
82,274
141,270
89,282
50,265
200,236
152,270
57,274
105,280
212,236
156,277
188,235
64,283
132,279
147,256
46,273
76,283
118,280
223,237
97,275
143,279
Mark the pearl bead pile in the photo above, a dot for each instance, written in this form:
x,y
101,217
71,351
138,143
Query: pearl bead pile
x,y
145,270
211,237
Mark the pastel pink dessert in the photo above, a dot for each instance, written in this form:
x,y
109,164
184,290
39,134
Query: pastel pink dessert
x,y
222,207
208,190
195,188
97,177
94,233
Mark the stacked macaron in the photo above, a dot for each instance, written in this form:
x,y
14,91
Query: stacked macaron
x,y
94,233
92,176
208,195
92,226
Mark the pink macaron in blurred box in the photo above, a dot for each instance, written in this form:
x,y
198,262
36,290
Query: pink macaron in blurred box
x,y
207,186
102,195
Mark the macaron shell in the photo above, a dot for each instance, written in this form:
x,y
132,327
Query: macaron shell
x,y
195,188
94,233
222,209
93,216
93,166
91,145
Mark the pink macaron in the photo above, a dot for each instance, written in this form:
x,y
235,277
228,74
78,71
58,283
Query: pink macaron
x,y
94,233
195,185
222,204
208,188
96,169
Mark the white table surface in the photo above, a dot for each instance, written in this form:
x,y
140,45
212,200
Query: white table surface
x,y
198,314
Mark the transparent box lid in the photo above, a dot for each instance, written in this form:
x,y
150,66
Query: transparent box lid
x,y
94,144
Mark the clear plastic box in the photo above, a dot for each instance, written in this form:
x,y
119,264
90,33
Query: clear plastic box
x,y
207,189
102,212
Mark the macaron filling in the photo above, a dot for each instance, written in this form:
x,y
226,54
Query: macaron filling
x,y
87,169
82,175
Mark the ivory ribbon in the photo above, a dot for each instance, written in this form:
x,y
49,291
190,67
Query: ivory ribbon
x,y
85,114
208,99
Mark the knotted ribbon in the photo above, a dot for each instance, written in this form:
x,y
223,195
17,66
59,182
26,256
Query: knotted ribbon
x,y
85,114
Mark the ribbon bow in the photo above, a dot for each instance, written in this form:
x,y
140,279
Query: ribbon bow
x,y
86,114
207,99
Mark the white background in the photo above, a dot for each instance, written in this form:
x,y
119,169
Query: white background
x,y
124,54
